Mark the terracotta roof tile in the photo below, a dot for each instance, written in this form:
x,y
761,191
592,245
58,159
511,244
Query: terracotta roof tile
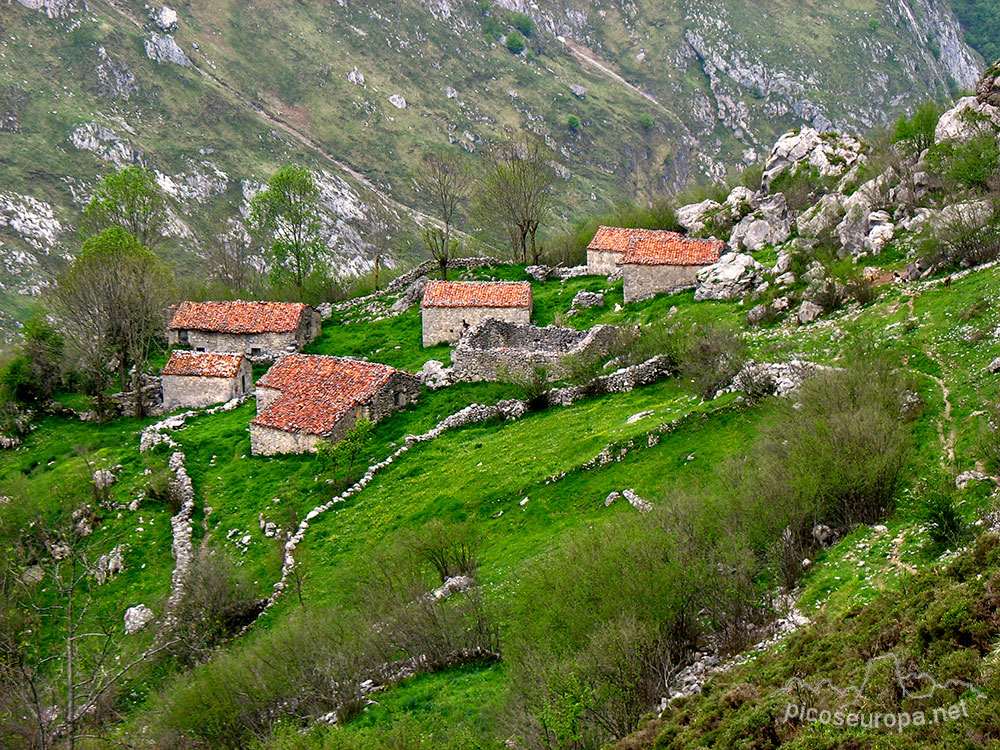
x,y
238,316
655,247
203,364
671,249
316,391
477,294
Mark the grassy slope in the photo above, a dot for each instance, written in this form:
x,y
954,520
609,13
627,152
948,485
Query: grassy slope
x,y
444,478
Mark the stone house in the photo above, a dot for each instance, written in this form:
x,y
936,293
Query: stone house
x,y
260,330
193,380
498,348
305,398
449,308
607,248
664,262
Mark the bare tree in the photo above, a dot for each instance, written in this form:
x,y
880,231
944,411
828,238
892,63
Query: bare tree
x,y
229,257
113,305
382,228
447,183
516,190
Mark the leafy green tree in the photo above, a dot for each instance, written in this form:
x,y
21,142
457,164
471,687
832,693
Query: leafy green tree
x,y
917,132
286,215
34,373
346,451
515,42
573,123
112,302
524,23
646,121
130,199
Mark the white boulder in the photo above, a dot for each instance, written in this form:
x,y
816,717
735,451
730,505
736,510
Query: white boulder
x,y
734,275
137,618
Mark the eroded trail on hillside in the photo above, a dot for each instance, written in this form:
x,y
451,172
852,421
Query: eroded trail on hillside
x,y
588,58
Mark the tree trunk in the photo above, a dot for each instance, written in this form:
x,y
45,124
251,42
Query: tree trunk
x,y
378,267
443,265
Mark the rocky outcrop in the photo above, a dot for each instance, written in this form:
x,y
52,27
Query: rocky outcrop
x,y
165,18
55,8
735,275
968,118
770,224
831,155
163,49
105,143
114,80
137,618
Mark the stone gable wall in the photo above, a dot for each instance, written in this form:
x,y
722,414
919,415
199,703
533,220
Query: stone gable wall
x,y
641,282
602,262
196,392
447,324
497,347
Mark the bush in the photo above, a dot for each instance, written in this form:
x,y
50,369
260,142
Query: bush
x,y
916,133
515,42
522,22
973,164
970,237
573,123
711,357
646,121
939,511
451,549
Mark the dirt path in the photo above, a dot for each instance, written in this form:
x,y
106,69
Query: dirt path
x,y
286,127
897,551
946,425
587,57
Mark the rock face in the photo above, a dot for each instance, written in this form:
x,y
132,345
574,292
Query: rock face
x,y
988,88
114,80
163,49
692,217
770,224
970,117
733,276
831,155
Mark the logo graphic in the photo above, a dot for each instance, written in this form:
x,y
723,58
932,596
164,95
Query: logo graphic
x,y
927,701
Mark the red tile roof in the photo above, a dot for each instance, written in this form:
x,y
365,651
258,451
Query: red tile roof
x,y
203,364
238,316
655,247
317,391
671,249
477,294
613,239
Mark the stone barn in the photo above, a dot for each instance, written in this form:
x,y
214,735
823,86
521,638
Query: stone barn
x,y
260,330
664,262
306,398
449,308
607,248
193,380
498,348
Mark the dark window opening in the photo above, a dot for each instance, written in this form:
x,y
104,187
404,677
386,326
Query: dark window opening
x,y
254,351
182,336
400,398
243,382
199,348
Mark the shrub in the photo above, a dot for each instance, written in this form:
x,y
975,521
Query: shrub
x,y
711,357
515,42
522,22
646,121
973,164
939,511
451,549
970,237
573,123
917,132
530,384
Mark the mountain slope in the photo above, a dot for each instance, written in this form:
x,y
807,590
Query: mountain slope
x,y
359,90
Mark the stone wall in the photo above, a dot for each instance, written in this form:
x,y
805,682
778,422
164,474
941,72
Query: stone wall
x,y
195,392
497,347
402,389
602,262
267,441
641,282
447,324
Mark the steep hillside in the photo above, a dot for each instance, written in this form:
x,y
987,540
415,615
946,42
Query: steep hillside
x,y
218,96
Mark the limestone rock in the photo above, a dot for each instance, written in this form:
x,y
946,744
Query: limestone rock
x,y
435,375
824,214
397,101
963,480
450,93
356,77
734,275
994,366
165,18
783,264
692,216
809,311
163,49
578,91
770,224
988,88
137,618
103,479
831,155
410,296
969,118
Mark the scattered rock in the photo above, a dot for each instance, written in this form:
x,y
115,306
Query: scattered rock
x,y
994,366
610,499
578,91
454,585
823,535
356,77
397,101
963,480
410,296
832,155
809,311
450,93
692,216
165,18
435,375
584,298
103,479
640,504
137,618
770,224
640,416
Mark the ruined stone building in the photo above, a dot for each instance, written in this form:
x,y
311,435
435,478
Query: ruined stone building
x,y
304,399
260,330
664,262
449,308
192,380
497,349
